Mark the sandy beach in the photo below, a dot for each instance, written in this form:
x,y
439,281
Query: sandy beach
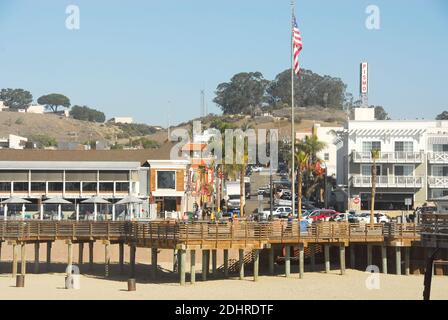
x,y
315,286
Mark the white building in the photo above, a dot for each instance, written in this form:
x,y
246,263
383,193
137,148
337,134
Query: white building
x,y
13,141
36,108
3,107
122,120
412,167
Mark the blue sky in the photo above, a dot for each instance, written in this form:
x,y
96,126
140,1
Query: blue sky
x,y
150,58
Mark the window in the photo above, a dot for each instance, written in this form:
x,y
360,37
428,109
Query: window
x,y
404,171
440,147
122,186
404,146
440,171
89,186
166,180
38,186
54,186
366,170
21,186
439,193
368,146
326,156
5,187
72,186
106,186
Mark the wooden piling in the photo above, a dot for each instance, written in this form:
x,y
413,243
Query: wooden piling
x,y
48,265
36,257
14,260
241,263
369,255
342,258
81,253
154,263
204,265
121,256
214,262
23,263
384,258
256,254
312,249
69,257
287,261
398,260
193,266
182,266
106,258
271,260
132,249
226,263
407,253
301,261
327,257
91,243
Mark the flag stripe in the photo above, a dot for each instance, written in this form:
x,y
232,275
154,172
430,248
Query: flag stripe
x,y
297,45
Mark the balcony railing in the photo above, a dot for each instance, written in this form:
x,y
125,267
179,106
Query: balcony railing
x,y
388,181
438,157
389,157
438,182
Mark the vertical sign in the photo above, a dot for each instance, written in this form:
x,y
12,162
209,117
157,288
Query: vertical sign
x,y
364,78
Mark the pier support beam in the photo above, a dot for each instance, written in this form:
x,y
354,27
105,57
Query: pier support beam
x,y
23,263
256,254
14,260
384,259
369,255
271,260
204,265
193,266
69,256
312,248
342,258
106,258
214,262
226,263
80,253
121,256
182,265
398,260
48,266
327,257
91,255
407,253
241,263
154,263
36,257
133,250
352,256
301,261
287,261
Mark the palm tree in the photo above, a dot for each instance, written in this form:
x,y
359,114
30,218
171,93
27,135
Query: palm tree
x,y
302,161
375,155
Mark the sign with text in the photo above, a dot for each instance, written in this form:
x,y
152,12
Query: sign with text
x,y
364,81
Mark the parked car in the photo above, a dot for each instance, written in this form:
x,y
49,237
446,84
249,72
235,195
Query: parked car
x,y
342,217
277,212
321,215
379,217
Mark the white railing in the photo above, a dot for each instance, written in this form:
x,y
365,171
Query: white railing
x,y
389,157
438,157
388,181
438,182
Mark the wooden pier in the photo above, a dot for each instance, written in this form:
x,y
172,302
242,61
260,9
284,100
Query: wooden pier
x,y
241,235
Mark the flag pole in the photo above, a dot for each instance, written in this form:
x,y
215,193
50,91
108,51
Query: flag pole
x,y
293,136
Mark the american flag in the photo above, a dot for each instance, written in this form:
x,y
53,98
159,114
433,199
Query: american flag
x,y
297,44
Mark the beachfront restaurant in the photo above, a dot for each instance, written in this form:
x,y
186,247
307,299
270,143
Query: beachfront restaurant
x,y
73,190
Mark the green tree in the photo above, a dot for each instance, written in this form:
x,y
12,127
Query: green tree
x,y
380,113
442,116
16,98
87,114
244,92
54,101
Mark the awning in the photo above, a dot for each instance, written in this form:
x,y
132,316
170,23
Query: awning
x,y
438,140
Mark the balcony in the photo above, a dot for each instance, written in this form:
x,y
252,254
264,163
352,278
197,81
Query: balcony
x,y
387,182
437,182
438,157
388,157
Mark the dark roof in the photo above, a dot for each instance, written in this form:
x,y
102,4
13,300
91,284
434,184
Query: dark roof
x,y
162,153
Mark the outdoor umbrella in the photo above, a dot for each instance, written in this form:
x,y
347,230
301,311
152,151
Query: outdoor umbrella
x,y
14,200
130,200
95,201
57,200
